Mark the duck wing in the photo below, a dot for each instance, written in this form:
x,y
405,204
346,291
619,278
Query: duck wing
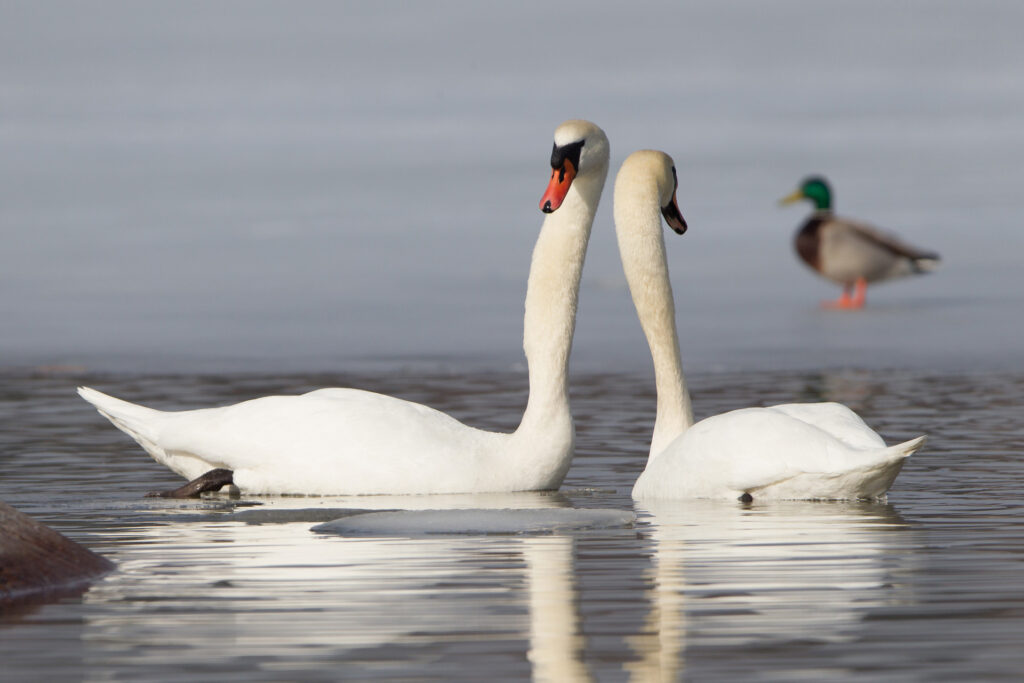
x,y
885,240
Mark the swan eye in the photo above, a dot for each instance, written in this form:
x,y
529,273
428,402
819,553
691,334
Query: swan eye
x,y
675,179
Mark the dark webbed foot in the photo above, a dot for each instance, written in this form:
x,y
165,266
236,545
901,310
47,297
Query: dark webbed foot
x,y
211,481
745,498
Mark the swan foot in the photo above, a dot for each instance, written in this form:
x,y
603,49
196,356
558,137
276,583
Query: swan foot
x,y
211,481
746,498
848,301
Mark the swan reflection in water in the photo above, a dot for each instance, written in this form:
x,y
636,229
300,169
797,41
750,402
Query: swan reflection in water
x,y
239,587
729,576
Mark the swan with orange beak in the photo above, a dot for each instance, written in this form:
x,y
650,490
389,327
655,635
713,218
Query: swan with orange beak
x,y
565,162
343,441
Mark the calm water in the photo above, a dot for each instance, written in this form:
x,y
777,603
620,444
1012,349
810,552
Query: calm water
x,y
928,586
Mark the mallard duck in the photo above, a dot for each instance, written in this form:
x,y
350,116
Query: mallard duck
x,y
849,253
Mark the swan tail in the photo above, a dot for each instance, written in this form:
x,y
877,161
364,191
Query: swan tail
x,y
876,479
147,427
132,419
867,476
905,449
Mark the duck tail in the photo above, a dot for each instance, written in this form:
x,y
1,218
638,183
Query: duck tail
x,y
925,263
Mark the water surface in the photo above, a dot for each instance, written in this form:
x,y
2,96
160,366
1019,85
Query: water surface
x,y
926,586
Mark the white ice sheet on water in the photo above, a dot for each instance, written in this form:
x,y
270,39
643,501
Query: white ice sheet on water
x,y
421,522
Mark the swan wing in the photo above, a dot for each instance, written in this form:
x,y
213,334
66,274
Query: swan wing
x,y
336,440
753,448
836,420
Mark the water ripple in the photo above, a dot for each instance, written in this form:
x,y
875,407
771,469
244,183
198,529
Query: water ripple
x,y
925,586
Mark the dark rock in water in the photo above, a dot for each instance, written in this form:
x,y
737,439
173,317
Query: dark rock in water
x,y
37,563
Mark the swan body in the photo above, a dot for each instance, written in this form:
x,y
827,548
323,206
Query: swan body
x,y
850,253
792,451
342,441
331,442
783,452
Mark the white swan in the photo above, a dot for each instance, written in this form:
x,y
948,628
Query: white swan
x,y
793,451
347,441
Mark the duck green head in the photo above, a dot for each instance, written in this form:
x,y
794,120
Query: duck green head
x,y
814,188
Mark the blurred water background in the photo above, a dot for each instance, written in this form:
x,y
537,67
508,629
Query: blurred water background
x,y
202,202
252,185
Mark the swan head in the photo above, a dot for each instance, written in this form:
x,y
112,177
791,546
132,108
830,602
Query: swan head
x,y
814,189
649,170
580,149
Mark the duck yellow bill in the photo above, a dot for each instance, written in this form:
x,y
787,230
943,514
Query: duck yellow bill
x,y
796,196
561,179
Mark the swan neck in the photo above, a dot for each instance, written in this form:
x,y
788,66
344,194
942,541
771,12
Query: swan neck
x,y
642,248
552,294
